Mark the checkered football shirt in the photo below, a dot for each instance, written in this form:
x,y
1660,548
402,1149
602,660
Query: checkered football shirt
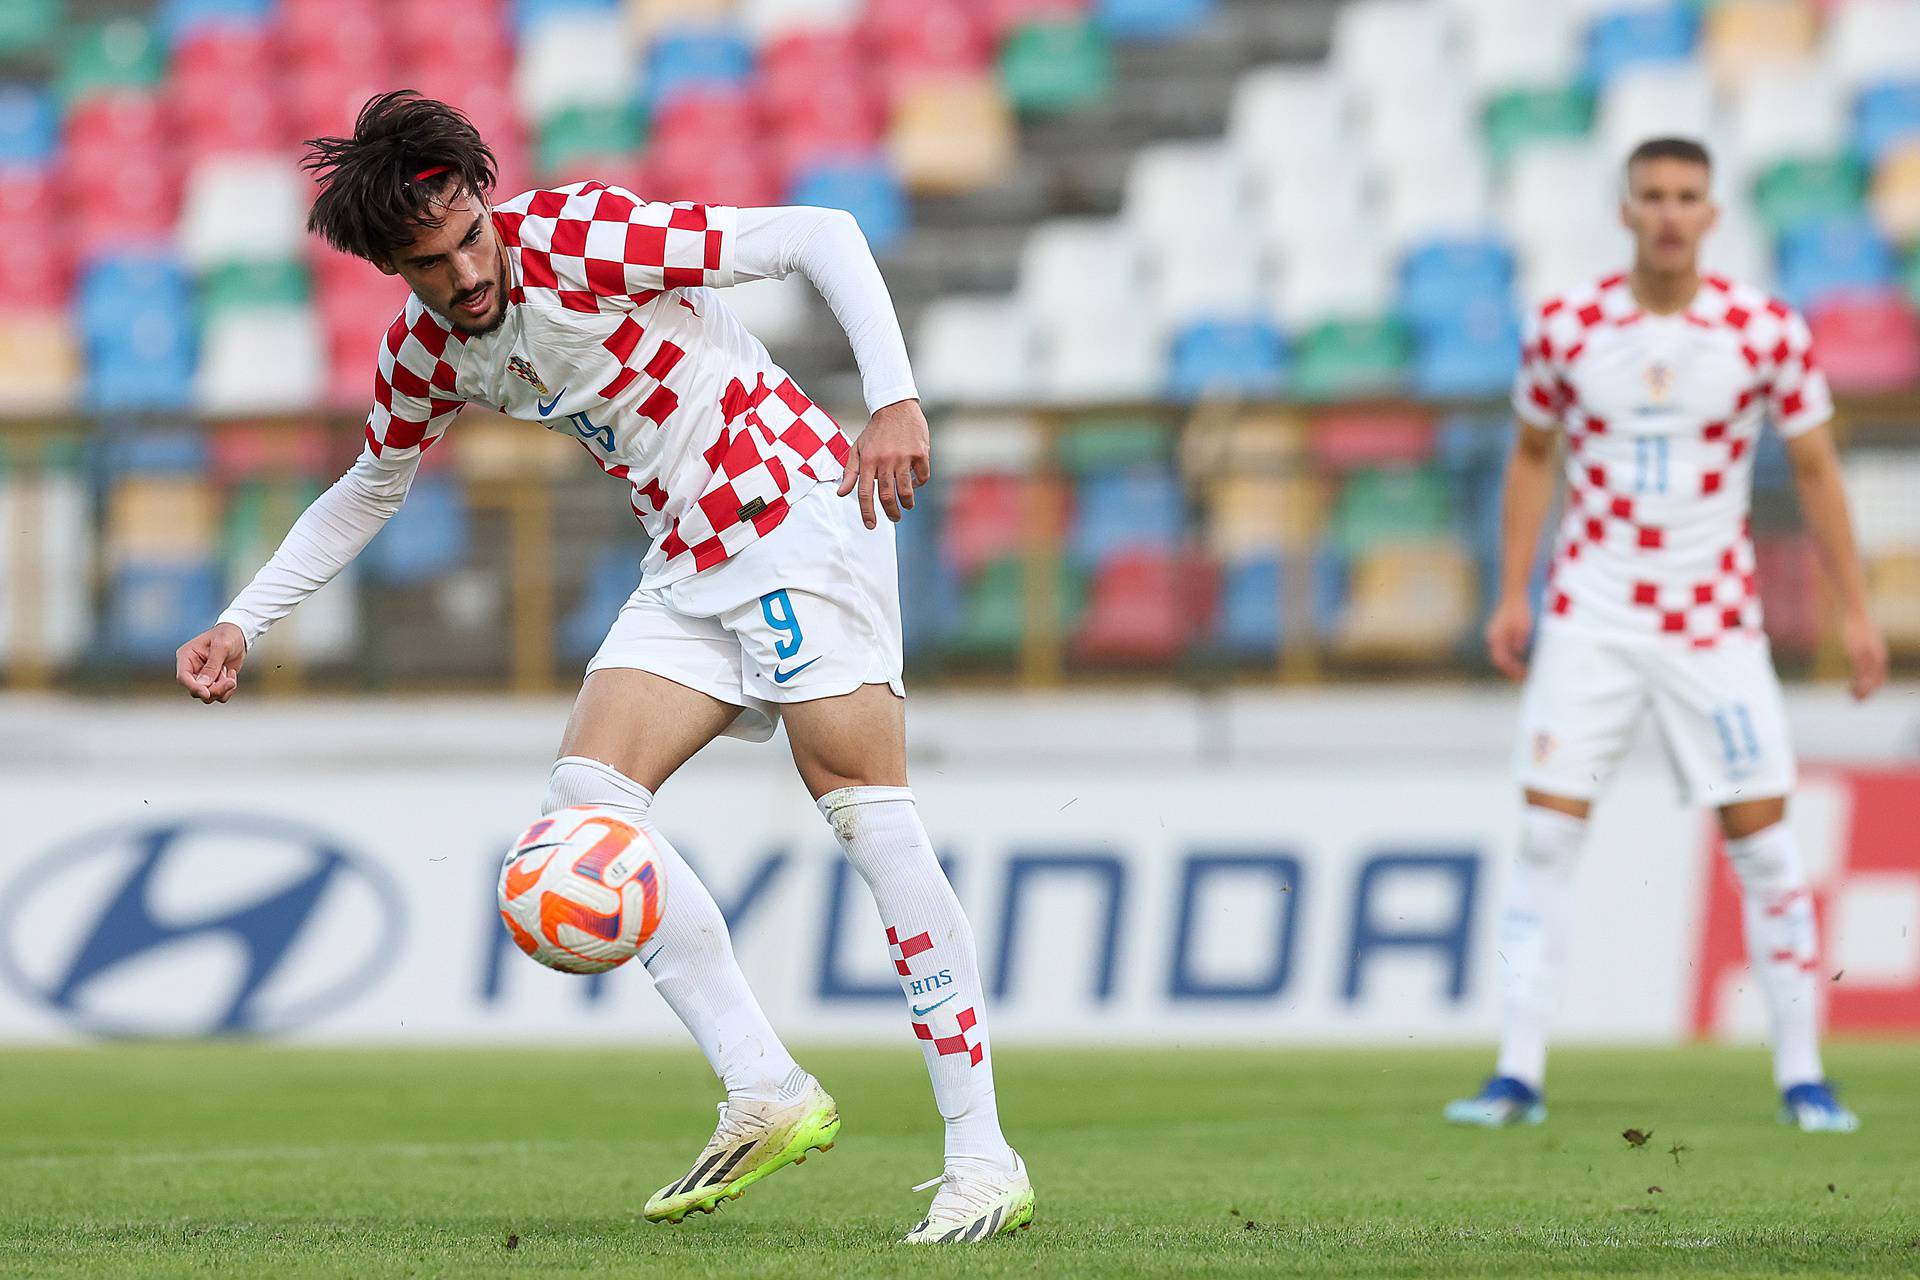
x,y
615,338
1661,415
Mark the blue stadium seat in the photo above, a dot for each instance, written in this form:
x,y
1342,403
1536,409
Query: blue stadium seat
x,y
1452,365
155,453
152,607
1637,35
528,14
126,381
707,58
1152,19
29,126
1227,357
1470,445
1250,608
930,595
1441,279
428,538
610,580
866,188
1135,509
1845,251
1885,115
116,293
178,19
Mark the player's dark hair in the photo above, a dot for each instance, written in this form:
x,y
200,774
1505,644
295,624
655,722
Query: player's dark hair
x,y
1670,149
373,198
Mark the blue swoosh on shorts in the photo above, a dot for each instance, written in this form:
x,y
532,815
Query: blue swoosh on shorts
x,y
546,406
781,677
918,1012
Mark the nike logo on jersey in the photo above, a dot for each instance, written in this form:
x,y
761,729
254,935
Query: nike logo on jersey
x,y
781,677
918,1012
546,406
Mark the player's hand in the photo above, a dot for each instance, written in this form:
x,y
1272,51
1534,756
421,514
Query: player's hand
x,y
1866,654
208,666
1508,628
891,456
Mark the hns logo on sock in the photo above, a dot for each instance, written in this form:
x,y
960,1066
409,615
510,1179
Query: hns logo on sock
x,y
921,986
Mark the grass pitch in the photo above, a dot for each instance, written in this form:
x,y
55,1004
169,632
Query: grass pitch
x,y
248,1161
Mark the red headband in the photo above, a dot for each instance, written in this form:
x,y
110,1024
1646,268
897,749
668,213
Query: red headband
x,y
434,172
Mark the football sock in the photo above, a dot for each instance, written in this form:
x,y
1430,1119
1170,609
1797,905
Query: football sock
x,y
932,949
1783,947
690,955
1533,937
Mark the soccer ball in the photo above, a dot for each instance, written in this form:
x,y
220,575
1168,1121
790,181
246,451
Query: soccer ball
x,y
582,890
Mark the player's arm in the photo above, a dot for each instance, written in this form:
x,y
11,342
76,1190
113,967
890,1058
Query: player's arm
x,y
1525,497
892,456
406,418
1823,506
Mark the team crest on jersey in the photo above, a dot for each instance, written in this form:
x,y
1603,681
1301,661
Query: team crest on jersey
x,y
1659,381
1542,746
522,368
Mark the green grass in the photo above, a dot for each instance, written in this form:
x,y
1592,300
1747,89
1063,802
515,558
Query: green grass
x,y
245,1161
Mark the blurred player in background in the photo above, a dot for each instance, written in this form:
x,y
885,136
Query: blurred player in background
x,y
1659,379
592,311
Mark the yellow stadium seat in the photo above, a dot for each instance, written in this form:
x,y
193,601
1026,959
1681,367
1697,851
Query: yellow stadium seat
x,y
39,365
161,518
1269,444
495,447
952,135
1410,601
1745,35
1249,514
1893,585
646,18
1896,193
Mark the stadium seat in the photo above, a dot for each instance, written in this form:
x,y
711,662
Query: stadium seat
x,y
923,39
121,53
1651,100
427,539
573,60
1793,111
1517,47
121,292
160,518
610,580
768,20
1102,444
529,14
1409,601
1893,587
579,134
1474,356
1250,622
1146,607
1151,19
929,591
240,285
1519,119
1557,191
243,207
695,60
973,349
1257,514
149,607
989,442
1384,42
1751,39
1316,205
1227,358
1181,191
776,311
1102,357
39,365
1886,116
1075,267
1281,111
1345,359
1787,569
1868,342
49,597
951,134
1348,275
246,453
1790,192
236,117
648,18
734,171
1133,509
29,126
1639,35
1871,40
985,520
993,618
1408,122
1831,254
864,187
1442,279
1880,485
177,20
1054,66
1344,441
29,28
1390,505
1434,197
1896,194
261,359
1187,283
1253,442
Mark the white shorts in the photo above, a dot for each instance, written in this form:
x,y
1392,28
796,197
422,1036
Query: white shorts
x,y
1718,711
811,610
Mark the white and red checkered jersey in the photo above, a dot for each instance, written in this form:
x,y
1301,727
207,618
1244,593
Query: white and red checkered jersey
x,y
614,338
1661,416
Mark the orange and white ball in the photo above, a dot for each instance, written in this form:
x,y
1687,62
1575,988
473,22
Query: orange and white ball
x,y
582,890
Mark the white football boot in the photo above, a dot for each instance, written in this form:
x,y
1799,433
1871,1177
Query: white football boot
x,y
972,1205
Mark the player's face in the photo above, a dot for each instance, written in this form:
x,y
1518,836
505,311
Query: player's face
x,y
1669,209
459,268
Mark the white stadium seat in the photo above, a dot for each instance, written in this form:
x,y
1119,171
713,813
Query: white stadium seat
x,y
1378,42
1103,357
1330,191
261,360
770,19
243,208
1870,40
1072,267
1285,111
1417,117
576,60
1793,110
1517,44
1737,247
976,443
1346,275
1436,196
1183,191
1558,190
1207,277
974,349
1659,100
775,311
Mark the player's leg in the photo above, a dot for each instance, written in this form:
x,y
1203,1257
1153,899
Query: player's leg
x,y
1577,715
630,731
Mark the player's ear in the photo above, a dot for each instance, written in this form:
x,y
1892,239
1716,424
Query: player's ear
x,y
386,266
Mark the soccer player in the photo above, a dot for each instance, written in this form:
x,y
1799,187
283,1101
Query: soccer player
x,y
1659,379
768,592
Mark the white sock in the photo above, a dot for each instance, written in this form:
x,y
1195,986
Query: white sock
x,y
690,955
1783,947
1533,937
931,945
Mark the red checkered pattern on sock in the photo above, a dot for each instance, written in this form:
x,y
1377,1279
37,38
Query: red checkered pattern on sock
x,y
905,949
956,1043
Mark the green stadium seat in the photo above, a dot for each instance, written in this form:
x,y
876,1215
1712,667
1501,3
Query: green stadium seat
x,y
588,132
1521,117
29,26
1792,192
1382,506
1913,277
123,53
1056,66
1342,358
994,617
245,285
1113,443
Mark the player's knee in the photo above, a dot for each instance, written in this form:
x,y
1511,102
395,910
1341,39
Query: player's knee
x,y
581,780
1766,859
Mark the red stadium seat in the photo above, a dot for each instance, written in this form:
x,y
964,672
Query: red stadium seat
x,y
1002,16
114,122
224,55
713,171
840,118
477,43
1867,342
240,115
1344,441
342,38
34,274
1788,569
133,201
1147,607
987,518
323,102
702,115
27,200
793,68
918,38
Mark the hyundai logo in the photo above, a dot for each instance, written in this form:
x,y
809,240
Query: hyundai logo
x,y
199,926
